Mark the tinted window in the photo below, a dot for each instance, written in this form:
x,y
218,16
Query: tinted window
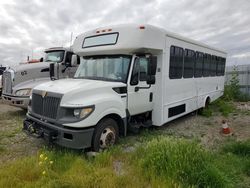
x,y
213,66
206,65
198,65
176,62
189,60
100,40
218,66
223,61
140,70
143,62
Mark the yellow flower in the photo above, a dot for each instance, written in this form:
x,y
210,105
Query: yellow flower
x,y
45,158
40,163
41,156
51,162
44,172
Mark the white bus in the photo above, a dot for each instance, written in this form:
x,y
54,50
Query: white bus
x,y
129,76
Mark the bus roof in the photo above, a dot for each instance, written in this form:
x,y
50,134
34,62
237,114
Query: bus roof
x,y
130,38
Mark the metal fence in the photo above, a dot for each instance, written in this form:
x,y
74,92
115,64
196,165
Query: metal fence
x,y
243,72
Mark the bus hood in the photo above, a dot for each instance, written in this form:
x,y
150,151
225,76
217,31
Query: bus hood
x,y
73,86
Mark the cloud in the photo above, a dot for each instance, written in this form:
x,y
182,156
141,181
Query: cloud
x,y
27,26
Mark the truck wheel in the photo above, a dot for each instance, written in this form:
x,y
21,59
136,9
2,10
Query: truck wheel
x,y
105,135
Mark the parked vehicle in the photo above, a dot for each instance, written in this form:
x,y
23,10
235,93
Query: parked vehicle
x,y
19,81
129,77
2,69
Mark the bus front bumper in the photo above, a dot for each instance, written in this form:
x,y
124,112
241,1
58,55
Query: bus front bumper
x,y
66,137
21,102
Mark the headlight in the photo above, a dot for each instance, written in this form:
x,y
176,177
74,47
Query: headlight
x,y
23,92
83,112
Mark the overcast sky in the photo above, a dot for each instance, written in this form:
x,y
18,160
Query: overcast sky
x,y
33,25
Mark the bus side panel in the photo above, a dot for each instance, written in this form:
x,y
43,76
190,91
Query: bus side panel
x,y
184,95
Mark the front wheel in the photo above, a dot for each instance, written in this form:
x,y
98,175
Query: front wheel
x,y
105,135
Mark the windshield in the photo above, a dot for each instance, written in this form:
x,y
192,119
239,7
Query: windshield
x,y
54,56
109,68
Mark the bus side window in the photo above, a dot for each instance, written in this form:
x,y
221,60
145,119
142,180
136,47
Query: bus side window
x,y
218,65
223,61
198,65
189,60
213,66
176,62
207,63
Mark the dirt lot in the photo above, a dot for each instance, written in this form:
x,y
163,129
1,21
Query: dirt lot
x,y
15,144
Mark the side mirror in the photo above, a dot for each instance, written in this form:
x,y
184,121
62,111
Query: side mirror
x,y
74,60
152,65
151,80
41,59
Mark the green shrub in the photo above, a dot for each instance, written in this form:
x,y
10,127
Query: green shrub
x,y
207,112
181,160
247,168
225,107
238,148
232,90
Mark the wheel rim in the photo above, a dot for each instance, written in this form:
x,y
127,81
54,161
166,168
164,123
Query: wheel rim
x,y
107,138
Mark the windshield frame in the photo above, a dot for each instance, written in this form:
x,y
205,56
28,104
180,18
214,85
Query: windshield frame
x,y
107,79
55,51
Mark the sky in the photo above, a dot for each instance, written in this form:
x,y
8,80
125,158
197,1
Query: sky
x,y
27,27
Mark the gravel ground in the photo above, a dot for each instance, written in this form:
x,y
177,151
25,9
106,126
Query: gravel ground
x,y
13,142
16,144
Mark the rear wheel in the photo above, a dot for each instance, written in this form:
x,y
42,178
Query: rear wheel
x,y
200,111
105,135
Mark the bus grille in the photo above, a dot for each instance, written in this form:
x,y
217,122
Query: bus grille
x,y
45,106
7,83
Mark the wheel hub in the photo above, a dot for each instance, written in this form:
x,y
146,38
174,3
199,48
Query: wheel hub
x,y
107,138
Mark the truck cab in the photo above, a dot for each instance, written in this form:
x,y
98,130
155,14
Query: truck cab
x,y
19,81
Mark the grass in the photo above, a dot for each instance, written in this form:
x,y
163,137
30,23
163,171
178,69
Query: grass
x,y
220,106
156,162
238,148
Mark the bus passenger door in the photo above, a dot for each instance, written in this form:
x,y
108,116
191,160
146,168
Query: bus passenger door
x,y
140,93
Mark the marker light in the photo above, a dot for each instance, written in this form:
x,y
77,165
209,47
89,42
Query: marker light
x,y
97,31
142,27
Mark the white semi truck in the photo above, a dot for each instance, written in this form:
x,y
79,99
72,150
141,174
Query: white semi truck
x,y
129,76
19,81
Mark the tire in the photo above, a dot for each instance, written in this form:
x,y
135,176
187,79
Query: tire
x,y
105,135
207,103
200,111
